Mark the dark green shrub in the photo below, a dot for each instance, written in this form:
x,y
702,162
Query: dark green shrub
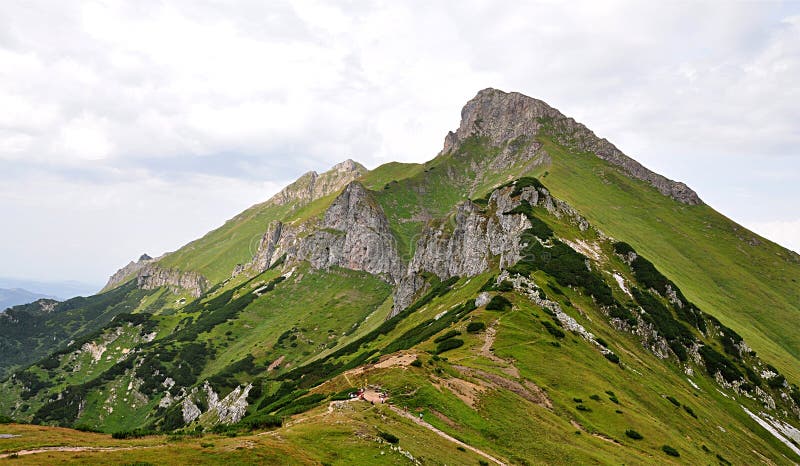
x,y
416,363
583,408
670,451
613,399
578,400
447,336
565,264
489,285
505,285
633,434
389,437
673,400
595,397
475,327
5,419
129,434
753,377
716,362
87,428
499,303
690,411
623,248
602,342
448,345
262,421
776,382
553,330
612,357
722,460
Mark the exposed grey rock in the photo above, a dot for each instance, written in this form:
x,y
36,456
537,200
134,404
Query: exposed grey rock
x,y
312,185
189,410
230,409
126,273
467,245
354,233
153,276
482,299
514,120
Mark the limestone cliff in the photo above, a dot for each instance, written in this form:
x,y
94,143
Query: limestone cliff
x,y
126,273
507,117
153,276
353,233
476,238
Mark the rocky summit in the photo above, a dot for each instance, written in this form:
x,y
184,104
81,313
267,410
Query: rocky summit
x,y
530,295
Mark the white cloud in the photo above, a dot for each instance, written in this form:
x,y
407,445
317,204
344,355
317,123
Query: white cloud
x,y
99,97
785,232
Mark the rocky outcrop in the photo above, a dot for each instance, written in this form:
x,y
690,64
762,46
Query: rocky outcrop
x,y
153,276
230,409
126,273
513,120
467,243
312,185
473,239
353,233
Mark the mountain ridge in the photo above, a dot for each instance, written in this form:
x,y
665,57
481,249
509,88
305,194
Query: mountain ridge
x,y
498,290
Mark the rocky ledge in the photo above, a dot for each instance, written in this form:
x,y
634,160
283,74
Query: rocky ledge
x,y
153,276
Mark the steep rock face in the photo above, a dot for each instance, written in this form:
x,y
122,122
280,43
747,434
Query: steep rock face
x,y
126,272
153,276
466,246
313,185
504,117
353,233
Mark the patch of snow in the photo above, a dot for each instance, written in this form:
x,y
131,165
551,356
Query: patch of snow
x,y
774,430
694,384
621,283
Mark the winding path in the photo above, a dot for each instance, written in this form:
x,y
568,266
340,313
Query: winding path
x,y
444,435
70,449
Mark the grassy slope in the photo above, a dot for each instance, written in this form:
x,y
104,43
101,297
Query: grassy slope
x,y
501,423
217,253
33,335
752,289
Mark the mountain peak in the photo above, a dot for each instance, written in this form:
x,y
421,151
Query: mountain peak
x,y
312,185
503,116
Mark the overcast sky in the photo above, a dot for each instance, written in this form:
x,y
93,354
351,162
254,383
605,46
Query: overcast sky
x,y
131,127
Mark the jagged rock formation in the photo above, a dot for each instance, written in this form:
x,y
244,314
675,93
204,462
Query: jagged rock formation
x,y
228,410
504,117
153,276
124,274
312,185
475,239
353,233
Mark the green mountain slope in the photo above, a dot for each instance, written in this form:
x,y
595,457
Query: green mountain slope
x,y
595,314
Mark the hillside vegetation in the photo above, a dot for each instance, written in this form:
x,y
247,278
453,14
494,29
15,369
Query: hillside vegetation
x,y
529,296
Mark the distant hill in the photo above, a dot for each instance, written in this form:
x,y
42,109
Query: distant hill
x,y
61,290
16,296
